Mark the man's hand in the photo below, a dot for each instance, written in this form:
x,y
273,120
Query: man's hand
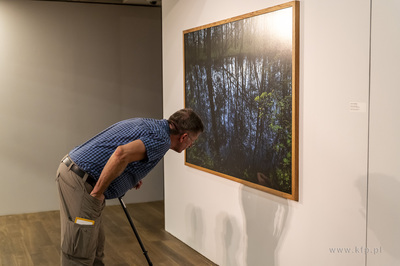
x,y
98,196
138,185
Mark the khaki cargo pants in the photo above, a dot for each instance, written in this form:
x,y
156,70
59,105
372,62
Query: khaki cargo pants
x,y
82,233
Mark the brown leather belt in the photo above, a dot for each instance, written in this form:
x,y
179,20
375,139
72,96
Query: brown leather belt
x,y
74,168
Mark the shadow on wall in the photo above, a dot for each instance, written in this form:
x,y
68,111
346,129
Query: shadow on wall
x,y
195,220
383,212
265,218
228,232
253,242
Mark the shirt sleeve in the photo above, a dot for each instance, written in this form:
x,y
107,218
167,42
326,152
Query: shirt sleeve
x,y
156,145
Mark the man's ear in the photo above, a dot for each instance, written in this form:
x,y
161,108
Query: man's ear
x,y
182,137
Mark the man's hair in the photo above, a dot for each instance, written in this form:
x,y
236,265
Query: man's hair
x,y
185,120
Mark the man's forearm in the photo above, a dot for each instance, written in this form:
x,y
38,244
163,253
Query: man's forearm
x,y
119,160
113,168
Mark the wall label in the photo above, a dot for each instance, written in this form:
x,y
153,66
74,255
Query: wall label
x,y
358,107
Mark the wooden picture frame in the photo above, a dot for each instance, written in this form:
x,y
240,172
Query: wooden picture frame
x,y
242,78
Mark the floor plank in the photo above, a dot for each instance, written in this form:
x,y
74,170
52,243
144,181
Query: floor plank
x,y
34,239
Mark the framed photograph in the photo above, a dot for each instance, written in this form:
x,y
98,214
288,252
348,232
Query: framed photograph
x,y
242,78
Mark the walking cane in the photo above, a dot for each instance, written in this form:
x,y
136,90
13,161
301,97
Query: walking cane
x,y
135,231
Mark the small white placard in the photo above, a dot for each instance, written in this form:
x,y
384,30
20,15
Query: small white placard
x,y
358,107
83,221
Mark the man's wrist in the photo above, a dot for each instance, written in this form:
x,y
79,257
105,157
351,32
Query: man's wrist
x,y
97,195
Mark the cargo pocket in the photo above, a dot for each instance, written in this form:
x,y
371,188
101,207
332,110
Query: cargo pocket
x,y
80,241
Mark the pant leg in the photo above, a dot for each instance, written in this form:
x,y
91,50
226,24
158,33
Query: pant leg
x,y
98,261
78,242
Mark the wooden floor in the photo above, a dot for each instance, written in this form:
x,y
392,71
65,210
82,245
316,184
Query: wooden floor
x,y
34,239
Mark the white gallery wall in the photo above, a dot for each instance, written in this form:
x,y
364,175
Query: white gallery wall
x,y
384,166
67,71
235,225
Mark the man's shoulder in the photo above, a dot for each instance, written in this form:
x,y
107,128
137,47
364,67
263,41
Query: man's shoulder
x,y
144,126
144,120
155,123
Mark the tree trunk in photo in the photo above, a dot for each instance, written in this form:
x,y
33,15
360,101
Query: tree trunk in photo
x,y
210,89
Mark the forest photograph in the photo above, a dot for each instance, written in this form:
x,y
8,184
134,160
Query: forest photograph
x,y
239,79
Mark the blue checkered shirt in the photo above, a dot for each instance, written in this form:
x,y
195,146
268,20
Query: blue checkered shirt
x,y
93,155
